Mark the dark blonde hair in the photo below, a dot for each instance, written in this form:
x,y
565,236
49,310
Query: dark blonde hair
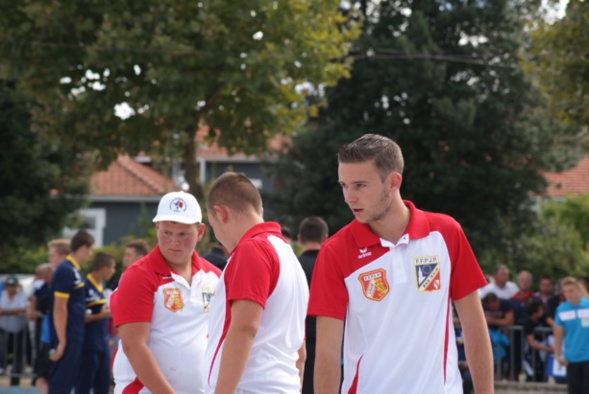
x,y
235,191
61,246
570,281
383,151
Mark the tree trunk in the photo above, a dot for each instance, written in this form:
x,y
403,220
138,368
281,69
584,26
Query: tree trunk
x,y
191,166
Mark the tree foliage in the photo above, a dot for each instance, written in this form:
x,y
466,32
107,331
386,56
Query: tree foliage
x,y
443,79
560,62
240,67
41,182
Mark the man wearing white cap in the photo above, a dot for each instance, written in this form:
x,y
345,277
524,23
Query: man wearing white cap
x,y
161,306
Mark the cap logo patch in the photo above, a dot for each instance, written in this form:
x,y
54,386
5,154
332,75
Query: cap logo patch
x,y
173,299
178,205
427,273
374,284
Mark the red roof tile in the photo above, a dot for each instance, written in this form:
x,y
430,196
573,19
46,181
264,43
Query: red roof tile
x,y
126,177
571,182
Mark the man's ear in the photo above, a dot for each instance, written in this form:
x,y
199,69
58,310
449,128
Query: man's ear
x,y
395,180
221,213
201,229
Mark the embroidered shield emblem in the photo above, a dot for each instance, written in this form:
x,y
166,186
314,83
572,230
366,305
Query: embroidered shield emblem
x,y
374,284
427,273
173,299
207,294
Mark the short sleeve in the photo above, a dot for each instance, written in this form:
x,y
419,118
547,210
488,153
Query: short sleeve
x,y
253,273
328,296
63,280
466,275
132,301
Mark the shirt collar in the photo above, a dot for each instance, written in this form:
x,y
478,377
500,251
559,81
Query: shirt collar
x,y
264,227
71,259
94,283
418,227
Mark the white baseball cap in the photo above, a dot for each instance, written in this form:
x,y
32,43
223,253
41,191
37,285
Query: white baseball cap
x,y
178,207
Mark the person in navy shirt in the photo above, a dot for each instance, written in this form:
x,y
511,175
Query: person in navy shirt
x,y
572,323
66,315
95,365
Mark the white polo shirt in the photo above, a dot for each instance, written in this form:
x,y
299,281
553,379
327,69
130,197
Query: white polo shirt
x,y
396,302
264,269
178,313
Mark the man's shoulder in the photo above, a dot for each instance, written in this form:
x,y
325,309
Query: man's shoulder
x,y
343,238
208,267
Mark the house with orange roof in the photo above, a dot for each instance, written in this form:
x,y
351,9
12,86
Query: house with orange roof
x,y
120,196
571,182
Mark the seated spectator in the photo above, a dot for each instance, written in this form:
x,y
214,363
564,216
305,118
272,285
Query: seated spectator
x,y
520,299
499,316
535,356
500,284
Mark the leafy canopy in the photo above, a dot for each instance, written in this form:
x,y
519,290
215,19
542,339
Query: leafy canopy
x,y
244,68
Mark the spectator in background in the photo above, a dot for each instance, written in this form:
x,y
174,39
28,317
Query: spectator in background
x,y
67,311
95,365
522,296
499,315
500,285
545,290
553,303
217,256
536,340
519,302
572,324
286,233
58,251
39,302
134,250
13,332
313,231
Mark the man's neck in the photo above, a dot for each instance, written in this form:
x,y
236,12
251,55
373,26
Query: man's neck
x,y
393,226
308,246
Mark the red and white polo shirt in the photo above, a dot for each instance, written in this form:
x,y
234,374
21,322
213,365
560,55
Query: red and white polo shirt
x,y
178,312
396,302
264,269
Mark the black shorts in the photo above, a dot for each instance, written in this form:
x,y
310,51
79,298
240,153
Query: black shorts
x,y
42,362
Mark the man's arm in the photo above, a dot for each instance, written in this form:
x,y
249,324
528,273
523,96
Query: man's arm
x,y
477,343
301,361
60,323
328,355
134,337
103,314
535,345
245,320
558,334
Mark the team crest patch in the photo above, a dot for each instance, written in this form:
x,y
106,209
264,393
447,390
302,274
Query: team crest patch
x,y
374,284
173,299
207,294
427,273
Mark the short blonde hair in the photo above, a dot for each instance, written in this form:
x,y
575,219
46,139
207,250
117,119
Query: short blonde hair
x,y
570,281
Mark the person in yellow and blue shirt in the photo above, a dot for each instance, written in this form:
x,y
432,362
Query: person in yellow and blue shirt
x,y
66,315
95,365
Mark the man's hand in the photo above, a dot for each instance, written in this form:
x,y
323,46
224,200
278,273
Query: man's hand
x,y
562,361
57,353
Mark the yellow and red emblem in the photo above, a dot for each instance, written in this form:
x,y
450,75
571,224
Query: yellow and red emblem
x,y
374,284
173,299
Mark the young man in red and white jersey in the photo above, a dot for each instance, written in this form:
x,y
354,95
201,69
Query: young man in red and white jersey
x,y
161,306
257,322
392,275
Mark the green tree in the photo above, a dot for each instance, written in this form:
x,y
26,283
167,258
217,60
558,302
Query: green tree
x,y
443,79
558,57
240,67
41,183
